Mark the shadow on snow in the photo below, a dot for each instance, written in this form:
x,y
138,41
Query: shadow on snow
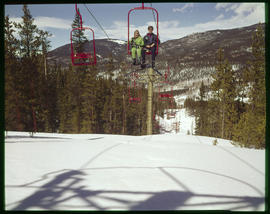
x,y
66,186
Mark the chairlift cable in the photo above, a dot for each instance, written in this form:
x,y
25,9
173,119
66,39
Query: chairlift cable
x,y
97,21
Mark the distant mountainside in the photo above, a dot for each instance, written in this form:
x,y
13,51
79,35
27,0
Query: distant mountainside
x,y
190,57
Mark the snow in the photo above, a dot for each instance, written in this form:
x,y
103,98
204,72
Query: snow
x,y
186,122
118,172
180,99
235,67
249,49
120,42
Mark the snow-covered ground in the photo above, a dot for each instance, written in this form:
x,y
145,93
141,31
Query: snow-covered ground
x,y
117,172
180,99
185,121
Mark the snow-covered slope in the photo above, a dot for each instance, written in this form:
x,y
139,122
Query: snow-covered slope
x,y
186,123
110,172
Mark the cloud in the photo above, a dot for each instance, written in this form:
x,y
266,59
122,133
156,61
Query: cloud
x,y
244,14
52,22
184,8
221,16
227,6
44,23
118,30
220,6
47,22
240,15
239,8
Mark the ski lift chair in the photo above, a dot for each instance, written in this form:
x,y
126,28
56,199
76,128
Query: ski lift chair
x,y
141,8
82,57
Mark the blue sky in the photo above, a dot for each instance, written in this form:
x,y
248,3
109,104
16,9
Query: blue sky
x,y
176,20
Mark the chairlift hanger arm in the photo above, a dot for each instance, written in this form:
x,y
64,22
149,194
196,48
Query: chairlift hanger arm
x,y
76,8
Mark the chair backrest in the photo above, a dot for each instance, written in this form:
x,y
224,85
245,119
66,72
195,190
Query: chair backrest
x,y
86,57
165,95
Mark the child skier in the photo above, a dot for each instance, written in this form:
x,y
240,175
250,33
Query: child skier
x,y
137,44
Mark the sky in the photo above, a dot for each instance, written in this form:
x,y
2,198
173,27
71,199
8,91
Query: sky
x,y
176,20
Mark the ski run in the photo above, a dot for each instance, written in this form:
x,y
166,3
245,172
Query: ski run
x,y
117,172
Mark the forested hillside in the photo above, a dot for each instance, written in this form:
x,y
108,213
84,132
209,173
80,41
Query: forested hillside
x,y
233,106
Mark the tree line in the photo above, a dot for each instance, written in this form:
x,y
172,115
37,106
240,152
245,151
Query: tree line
x,y
234,105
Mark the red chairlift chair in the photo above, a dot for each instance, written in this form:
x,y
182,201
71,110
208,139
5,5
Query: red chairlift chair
x,y
82,58
171,114
134,92
141,8
165,95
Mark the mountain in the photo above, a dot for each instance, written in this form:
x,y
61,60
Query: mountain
x,y
104,50
191,57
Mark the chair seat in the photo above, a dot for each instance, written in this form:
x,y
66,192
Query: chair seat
x,y
135,99
165,95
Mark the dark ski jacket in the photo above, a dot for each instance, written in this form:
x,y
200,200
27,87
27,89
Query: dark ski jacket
x,y
149,39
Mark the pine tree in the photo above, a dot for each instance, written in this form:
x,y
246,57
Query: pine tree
x,y
27,31
78,36
117,106
45,46
66,102
31,60
47,83
78,74
224,90
201,112
108,111
90,90
250,131
214,118
12,94
49,97
29,49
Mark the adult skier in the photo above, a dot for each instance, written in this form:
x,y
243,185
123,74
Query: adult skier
x,y
150,44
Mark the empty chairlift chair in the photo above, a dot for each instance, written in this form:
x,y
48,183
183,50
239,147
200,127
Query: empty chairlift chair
x,y
83,52
171,113
165,92
134,91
